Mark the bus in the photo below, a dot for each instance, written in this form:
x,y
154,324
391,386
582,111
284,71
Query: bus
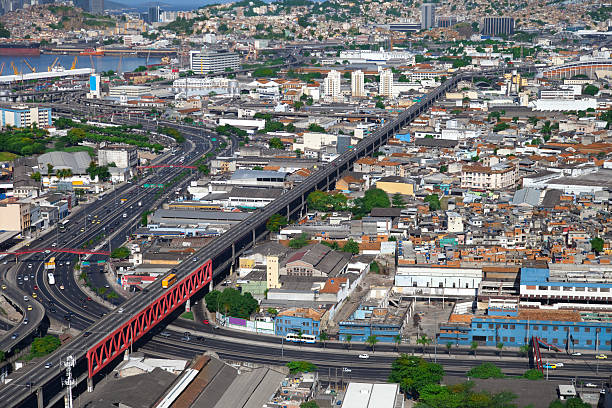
x,y
169,281
51,278
50,264
304,338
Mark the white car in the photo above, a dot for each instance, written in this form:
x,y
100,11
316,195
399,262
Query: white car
x,y
120,310
577,354
30,266
364,356
590,385
346,370
61,287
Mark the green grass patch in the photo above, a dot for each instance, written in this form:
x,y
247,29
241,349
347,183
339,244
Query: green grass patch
x,y
42,346
188,315
7,156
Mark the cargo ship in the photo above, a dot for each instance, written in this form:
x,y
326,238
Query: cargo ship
x,y
91,51
9,48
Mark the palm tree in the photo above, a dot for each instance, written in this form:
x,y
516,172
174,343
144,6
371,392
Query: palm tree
x,y
348,338
371,341
398,340
323,337
49,169
423,341
473,347
500,346
449,345
68,173
524,350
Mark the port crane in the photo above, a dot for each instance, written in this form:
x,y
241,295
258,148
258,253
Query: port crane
x,y
29,66
53,65
15,70
74,63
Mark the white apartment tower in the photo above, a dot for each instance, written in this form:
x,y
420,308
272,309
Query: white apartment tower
x,y
385,87
357,90
331,86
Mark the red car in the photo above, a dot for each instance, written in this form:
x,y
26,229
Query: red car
x,y
89,299
205,321
35,287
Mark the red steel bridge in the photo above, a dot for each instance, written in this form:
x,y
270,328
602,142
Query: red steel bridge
x,y
119,340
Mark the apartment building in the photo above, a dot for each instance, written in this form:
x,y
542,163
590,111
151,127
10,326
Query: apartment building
x,y
205,61
122,156
357,87
331,86
14,215
496,177
24,116
385,87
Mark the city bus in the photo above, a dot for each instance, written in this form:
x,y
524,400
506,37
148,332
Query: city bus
x,y
50,264
169,281
51,278
304,338
62,225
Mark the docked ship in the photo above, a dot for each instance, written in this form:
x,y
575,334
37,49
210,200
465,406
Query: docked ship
x,y
13,48
91,51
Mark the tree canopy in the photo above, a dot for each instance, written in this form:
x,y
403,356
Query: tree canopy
x,y
231,302
120,253
301,367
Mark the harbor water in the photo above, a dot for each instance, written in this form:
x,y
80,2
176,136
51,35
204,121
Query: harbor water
x,y
100,63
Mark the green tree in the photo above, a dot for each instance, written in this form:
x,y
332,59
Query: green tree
x,y
314,127
485,370
351,246
413,374
533,374
276,222
433,201
590,90
449,346
375,198
348,339
380,105
597,245
500,347
36,176
275,143
371,341
299,241
272,311
397,339
49,169
231,302
524,350
204,169
423,341
301,367
323,336
474,346
398,200
43,346
309,404
120,253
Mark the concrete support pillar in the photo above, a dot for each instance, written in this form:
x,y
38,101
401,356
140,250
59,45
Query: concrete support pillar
x,y
210,286
254,237
188,305
90,385
288,211
233,250
39,398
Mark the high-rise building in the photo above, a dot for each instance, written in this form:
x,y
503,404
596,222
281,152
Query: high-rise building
x,y
385,86
91,6
154,13
357,90
205,61
428,16
446,22
498,26
331,86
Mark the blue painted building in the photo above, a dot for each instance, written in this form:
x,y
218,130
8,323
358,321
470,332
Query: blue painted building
x,y
564,329
372,319
298,320
404,137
